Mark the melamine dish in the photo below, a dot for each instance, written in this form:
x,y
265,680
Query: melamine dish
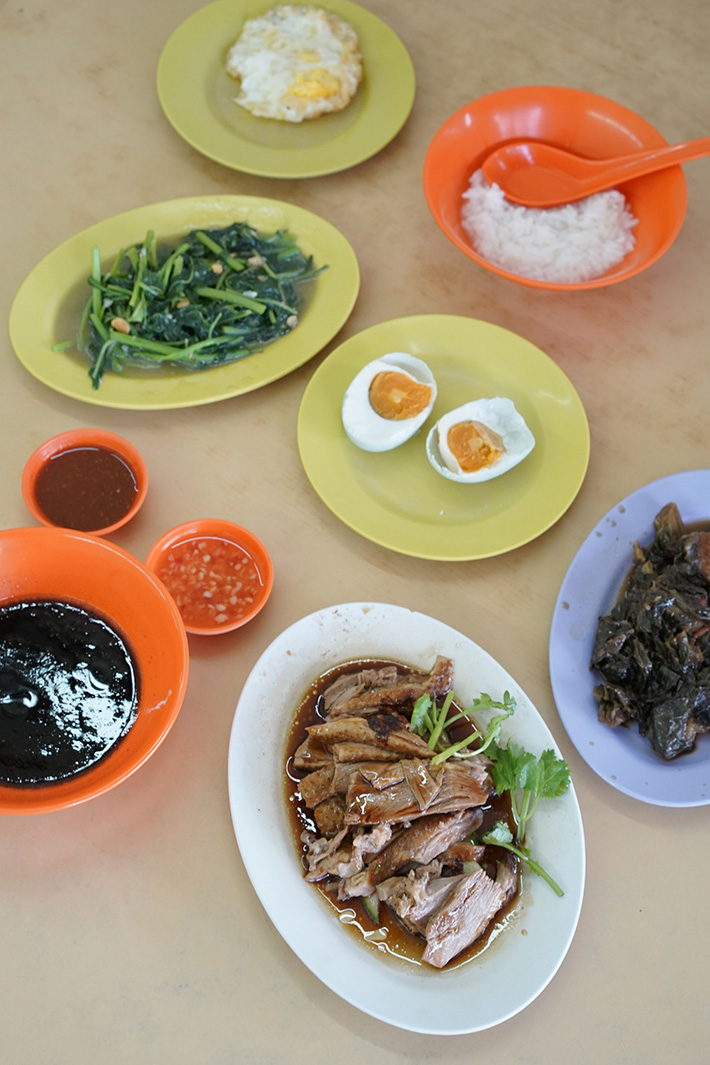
x,y
86,440
580,122
66,566
395,498
201,106
48,305
211,566
621,756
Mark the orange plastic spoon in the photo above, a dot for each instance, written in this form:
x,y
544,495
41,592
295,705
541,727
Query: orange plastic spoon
x,y
539,175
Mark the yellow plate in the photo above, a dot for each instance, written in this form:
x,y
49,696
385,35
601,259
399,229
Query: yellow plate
x,y
395,498
48,304
197,96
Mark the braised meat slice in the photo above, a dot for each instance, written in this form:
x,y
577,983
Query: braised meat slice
x,y
329,816
389,732
345,854
464,851
418,895
463,917
334,779
318,786
420,790
359,693
507,876
419,844
311,755
363,752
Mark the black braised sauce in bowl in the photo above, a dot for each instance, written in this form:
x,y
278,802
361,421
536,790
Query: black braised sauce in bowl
x,y
69,690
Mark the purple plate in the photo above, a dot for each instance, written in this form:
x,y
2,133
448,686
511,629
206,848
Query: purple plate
x,y
621,756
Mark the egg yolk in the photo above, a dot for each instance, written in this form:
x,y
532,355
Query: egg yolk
x,y
396,396
315,83
474,445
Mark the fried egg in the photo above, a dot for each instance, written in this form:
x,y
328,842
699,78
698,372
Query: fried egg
x,y
479,440
295,63
388,401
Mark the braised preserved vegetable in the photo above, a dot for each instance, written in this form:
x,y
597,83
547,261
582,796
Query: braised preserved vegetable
x,y
653,649
68,691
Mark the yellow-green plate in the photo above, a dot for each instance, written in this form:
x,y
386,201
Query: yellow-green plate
x,y
48,304
395,498
197,97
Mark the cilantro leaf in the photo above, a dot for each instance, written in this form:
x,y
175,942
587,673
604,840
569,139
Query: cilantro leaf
x,y
527,779
555,775
421,719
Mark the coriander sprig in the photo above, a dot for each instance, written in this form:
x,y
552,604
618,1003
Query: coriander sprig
x,y
527,779
431,722
513,769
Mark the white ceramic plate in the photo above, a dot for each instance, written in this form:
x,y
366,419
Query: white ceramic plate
x,y
621,756
519,963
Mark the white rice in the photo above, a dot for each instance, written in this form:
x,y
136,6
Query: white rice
x,y
567,244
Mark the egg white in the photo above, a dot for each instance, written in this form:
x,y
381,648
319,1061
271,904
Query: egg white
x,y
498,414
369,430
295,63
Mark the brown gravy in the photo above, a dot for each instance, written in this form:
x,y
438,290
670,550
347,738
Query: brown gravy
x,y
390,937
86,488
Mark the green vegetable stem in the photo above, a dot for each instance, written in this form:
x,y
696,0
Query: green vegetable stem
x,y
431,722
513,769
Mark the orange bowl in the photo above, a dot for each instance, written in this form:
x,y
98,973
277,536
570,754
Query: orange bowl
x,y
79,568
72,493
578,121
219,573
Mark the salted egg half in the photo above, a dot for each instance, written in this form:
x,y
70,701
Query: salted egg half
x,y
478,441
388,401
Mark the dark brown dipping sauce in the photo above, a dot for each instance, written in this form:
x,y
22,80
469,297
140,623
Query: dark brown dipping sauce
x,y
86,488
390,938
68,691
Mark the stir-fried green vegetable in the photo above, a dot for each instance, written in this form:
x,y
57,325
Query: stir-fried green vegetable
x,y
214,298
513,769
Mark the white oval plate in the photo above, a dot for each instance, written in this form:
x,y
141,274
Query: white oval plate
x,y
621,756
519,963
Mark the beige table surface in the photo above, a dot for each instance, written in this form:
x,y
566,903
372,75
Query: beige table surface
x,y
130,931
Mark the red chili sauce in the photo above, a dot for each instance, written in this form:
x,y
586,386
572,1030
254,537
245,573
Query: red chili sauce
x,y
86,488
213,581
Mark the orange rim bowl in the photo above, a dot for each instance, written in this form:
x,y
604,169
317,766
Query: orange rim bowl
x,y
64,565
578,121
84,438
217,528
